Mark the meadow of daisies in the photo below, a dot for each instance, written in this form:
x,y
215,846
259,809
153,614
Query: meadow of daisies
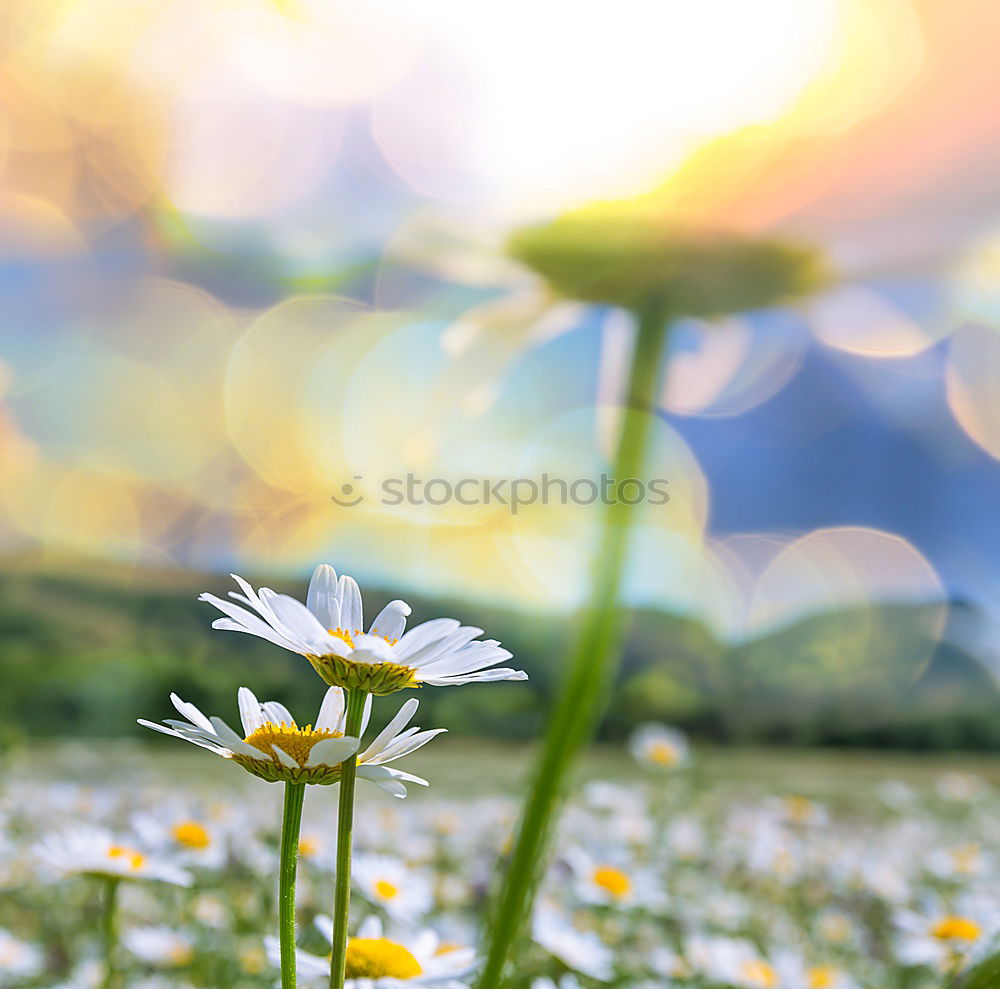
x,y
663,875
293,858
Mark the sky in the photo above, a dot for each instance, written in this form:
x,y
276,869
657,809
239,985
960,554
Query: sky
x,y
252,251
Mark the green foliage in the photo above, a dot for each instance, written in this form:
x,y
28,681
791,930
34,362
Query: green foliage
x,y
985,975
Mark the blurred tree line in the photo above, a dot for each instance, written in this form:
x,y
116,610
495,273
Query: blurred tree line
x,y
86,655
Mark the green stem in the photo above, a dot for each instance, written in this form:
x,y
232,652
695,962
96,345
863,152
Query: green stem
x,y
593,661
109,931
345,837
291,825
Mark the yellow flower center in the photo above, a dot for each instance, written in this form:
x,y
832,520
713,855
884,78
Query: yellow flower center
x,y
308,846
253,961
664,754
191,834
759,973
835,927
822,977
348,637
180,954
379,958
386,890
345,636
956,929
136,860
799,809
296,742
966,859
612,880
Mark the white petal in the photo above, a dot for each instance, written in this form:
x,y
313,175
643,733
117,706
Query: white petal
x,y
325,926
391,620
420,635
372,649
408,777
190,712
277,713
366,715
331,712
218,750
197,735
233,741
295,616
284,758
403,717
322,599
332,751
370,928
264,632
434,652
392,786
404,747
250,622
351,613
472,657
250,714
382,774
484,676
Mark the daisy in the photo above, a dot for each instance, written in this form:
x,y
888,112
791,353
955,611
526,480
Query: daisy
x,y
656,746
375,961
159,946
18,959
582,951
388,883
192,837
93,851
275,748
327,630
946,937
733,961
607,881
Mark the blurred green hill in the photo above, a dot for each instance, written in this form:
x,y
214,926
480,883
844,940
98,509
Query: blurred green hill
x,y
87,648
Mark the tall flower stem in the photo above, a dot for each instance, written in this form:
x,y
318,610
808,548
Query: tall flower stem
x,y
291,825
592,663
345,837
109,931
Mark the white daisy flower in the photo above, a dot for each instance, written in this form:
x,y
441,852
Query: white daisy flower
x,y
18,959
191,836
389,883
582,951
327,630
95,852
375,961
608,881
962,787
733,961
159,946
947,937
275,748
658,747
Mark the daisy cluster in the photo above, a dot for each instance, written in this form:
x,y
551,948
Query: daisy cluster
x,y
665,880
